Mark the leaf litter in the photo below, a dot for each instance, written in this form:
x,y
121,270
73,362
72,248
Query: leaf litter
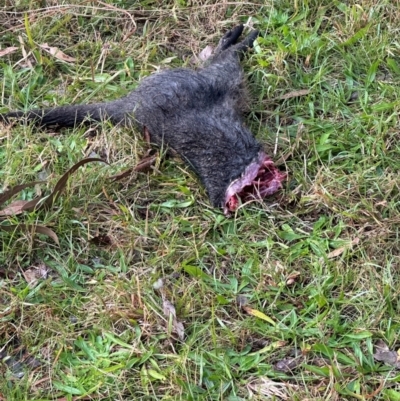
x,y
169,311
264,386
385,355
57,53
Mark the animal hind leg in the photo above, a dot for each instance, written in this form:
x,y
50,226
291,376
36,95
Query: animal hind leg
x,y
247,42
230,38
229,42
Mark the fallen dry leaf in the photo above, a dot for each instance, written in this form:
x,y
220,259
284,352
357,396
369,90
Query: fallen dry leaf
x,y
263,386
337,252
383,354
14,208
301,92
170,314
9,193
292,278
256,313
32,228
288,364
8,50
30,277
46,231
35,273
57,53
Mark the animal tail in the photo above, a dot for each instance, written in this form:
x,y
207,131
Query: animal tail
x,y
69,116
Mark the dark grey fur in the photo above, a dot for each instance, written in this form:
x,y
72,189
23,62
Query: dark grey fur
x,y
196,113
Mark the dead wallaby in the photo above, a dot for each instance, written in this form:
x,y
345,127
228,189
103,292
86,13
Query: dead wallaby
x,y
198,114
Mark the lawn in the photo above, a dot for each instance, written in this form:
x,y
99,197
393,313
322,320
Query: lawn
x,y
138,289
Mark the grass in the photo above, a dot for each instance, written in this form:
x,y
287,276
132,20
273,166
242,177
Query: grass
x,y
286,299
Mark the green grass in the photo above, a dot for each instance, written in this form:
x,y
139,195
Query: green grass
x,y
95,324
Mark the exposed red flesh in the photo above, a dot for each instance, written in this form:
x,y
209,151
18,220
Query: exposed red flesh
x,y
260,179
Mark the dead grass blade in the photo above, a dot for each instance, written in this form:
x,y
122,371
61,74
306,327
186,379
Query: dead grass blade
x,y
147,161
123,174
143,166
132,31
